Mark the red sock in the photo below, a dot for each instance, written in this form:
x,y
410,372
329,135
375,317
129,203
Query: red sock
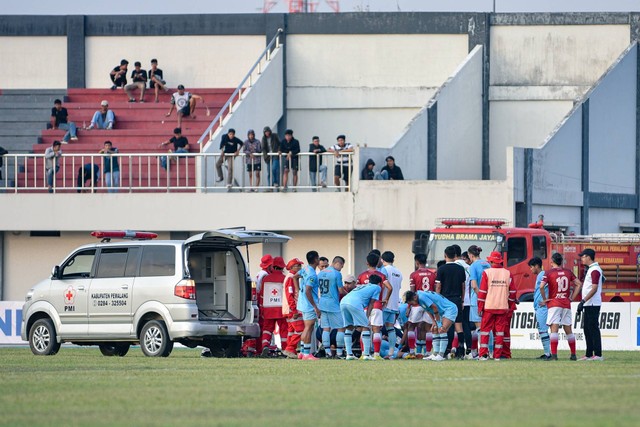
x,y
454,343
553,337
429,341
411,337
377,342
571,339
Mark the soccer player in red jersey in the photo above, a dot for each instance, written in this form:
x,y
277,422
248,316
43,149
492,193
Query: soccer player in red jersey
x,y
376,319
558,281
422,279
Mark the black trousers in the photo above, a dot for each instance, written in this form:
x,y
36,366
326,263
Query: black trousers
x,y
467,327
592,330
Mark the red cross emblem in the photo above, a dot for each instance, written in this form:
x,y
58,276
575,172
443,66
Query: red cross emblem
x,y
274,292
69,295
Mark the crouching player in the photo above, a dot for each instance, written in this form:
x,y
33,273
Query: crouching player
x,y
295,323
443,313
353,307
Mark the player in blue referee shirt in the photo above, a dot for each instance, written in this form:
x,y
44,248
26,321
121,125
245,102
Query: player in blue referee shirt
x,y
331,288
535,264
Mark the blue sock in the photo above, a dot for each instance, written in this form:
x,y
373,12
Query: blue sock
x,y
306,348
546,343
420,344
366,341
391,334
326,341
348,342
340,342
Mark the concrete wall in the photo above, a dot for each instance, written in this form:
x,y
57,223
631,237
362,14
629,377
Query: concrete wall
x,y
460,121
194,61
537,71
612,128
367,86
33,62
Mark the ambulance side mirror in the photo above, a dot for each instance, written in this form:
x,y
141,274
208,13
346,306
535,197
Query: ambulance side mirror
x,y
55,273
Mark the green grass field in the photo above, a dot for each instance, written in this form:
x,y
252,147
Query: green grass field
x,y
79,386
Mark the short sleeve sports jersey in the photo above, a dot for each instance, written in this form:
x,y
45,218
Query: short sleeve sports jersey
x,y
559,281
361,296
537,295
427,299
363,279
309,279
475,273
423,279
329,283
395,279
402,314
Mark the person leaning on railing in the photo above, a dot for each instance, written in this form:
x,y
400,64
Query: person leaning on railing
x,y
229,149
252,149
270,149
315,163
52,162
343,161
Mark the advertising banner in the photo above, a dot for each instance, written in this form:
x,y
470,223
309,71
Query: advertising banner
x,y
11,322
618,327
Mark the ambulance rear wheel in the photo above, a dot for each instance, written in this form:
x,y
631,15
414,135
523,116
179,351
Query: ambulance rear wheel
x,y
155,340
43,338
115,349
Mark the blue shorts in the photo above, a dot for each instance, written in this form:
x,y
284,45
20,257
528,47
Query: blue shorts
x,y
451,314
389,316
331,319
541,317
353,316
473,314
309,315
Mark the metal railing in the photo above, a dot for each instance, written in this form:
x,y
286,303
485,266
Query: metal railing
x,y
139,172
227,108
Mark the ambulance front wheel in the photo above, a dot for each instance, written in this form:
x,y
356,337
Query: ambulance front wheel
x,y
43,338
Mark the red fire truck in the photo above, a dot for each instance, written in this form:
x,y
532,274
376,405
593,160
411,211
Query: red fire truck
x,y
617,254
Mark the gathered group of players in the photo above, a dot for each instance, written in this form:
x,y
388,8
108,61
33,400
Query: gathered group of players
x,y
365,316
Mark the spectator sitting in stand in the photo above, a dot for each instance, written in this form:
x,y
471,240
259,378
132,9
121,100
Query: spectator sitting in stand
x,y
59,117
139,81
180,145
156,79
391,171
103,118
367,173
119,75
184,103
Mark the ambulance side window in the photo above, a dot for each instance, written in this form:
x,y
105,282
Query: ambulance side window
x,y
158,261
517,250
540,247
79,266
112,262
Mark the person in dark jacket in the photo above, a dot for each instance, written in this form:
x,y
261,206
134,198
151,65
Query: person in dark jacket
x,y
291,148
367,173
270,153
391,171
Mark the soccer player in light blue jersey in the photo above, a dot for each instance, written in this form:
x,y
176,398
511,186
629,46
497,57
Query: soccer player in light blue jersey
x,y
308,302
331,288
535,264
390,312
444,314
352,307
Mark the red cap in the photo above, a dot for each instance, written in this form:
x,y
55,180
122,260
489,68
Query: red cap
x,y
293,262
278,262
266,261
495,257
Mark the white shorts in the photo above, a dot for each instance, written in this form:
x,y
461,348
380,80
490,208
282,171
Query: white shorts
x,y
376,318
418,315
559,316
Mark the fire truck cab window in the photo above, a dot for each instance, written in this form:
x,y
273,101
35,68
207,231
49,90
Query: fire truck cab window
x,y
517,250
540,247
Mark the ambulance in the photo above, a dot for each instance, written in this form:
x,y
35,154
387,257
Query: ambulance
x,y
131,289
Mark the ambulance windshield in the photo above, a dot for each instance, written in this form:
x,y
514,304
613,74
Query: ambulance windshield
x,y
439,241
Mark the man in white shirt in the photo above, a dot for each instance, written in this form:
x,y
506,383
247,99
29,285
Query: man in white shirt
x,y
591,302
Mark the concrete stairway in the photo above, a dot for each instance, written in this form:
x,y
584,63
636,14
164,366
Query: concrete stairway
x,y
23,116
140,128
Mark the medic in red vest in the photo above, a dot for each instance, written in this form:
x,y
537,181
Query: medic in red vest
x,y
289,308
270,298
